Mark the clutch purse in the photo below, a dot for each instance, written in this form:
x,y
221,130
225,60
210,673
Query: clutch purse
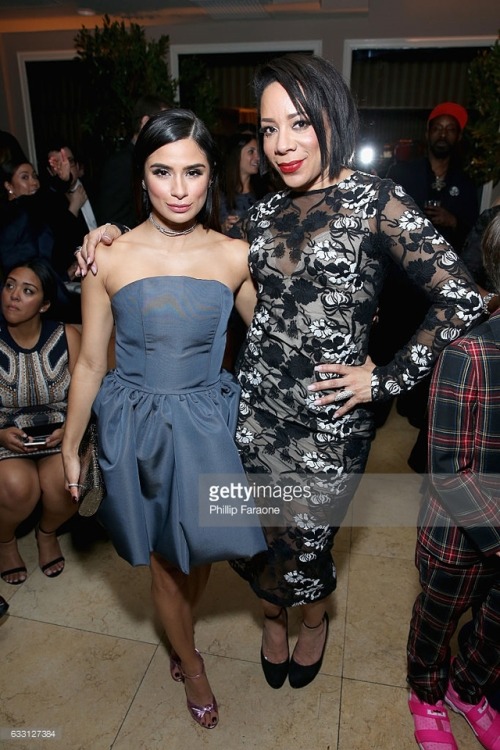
x,y
91,481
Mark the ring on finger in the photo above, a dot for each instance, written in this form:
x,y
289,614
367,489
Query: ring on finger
x,y
78,250
344,395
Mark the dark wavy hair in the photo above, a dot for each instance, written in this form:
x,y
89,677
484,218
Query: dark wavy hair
x,y
170,126
43,270
7,171
232,186
319,92
232,154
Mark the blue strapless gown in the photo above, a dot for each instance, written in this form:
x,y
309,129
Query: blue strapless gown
x,y
167,415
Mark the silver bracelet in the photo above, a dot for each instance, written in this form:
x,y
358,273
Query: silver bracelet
x,y
122,227
486,301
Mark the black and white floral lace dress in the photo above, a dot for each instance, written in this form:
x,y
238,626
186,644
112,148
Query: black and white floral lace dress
x,y
319,259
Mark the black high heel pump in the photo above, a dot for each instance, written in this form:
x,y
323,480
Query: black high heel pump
x,y
275,674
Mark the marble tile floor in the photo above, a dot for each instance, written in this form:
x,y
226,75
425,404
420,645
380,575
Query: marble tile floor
x,y
82,654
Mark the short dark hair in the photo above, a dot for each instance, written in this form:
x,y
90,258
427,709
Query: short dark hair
x,y
319,92
56,144
45,273
490,246
146,106
174,125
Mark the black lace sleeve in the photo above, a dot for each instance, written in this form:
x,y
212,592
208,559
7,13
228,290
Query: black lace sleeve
x,y
433,265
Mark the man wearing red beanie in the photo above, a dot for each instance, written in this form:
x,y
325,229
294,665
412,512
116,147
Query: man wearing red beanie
x,y
437,183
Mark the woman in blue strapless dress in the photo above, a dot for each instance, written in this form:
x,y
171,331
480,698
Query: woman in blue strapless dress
x,y
166,414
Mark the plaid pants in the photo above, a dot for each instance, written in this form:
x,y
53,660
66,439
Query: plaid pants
x,y
447,592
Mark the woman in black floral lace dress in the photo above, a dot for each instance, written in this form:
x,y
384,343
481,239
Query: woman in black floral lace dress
x,y
318,252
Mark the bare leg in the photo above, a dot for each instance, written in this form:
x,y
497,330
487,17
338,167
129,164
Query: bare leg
x,y
12,566
274,635
194,588
57,507
173,592
196,584
312,633
19,494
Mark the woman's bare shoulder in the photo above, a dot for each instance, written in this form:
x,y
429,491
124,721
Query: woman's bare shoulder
x,y
108,254
228,244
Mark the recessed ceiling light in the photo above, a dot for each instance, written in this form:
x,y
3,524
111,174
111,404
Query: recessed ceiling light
x,y
86,12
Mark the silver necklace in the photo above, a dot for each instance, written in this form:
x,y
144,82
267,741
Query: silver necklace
x,y
440,182
168,232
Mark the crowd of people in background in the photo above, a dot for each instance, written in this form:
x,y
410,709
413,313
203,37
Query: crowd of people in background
x,y
362,281
41,216
53,225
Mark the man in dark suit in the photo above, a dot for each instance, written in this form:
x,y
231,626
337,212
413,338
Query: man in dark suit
x,y
78,202
72,213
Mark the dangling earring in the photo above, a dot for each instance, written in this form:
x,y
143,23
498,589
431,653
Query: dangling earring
x,y
144,185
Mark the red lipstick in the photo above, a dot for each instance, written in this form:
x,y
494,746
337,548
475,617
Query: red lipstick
x,y
290,167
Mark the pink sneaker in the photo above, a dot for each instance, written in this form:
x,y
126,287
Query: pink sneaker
x,y
432,725
481,717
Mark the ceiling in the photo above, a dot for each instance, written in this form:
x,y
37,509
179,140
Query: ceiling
x,y
44,15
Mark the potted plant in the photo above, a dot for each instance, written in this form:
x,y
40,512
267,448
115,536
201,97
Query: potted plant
x,y
120,66
484,80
